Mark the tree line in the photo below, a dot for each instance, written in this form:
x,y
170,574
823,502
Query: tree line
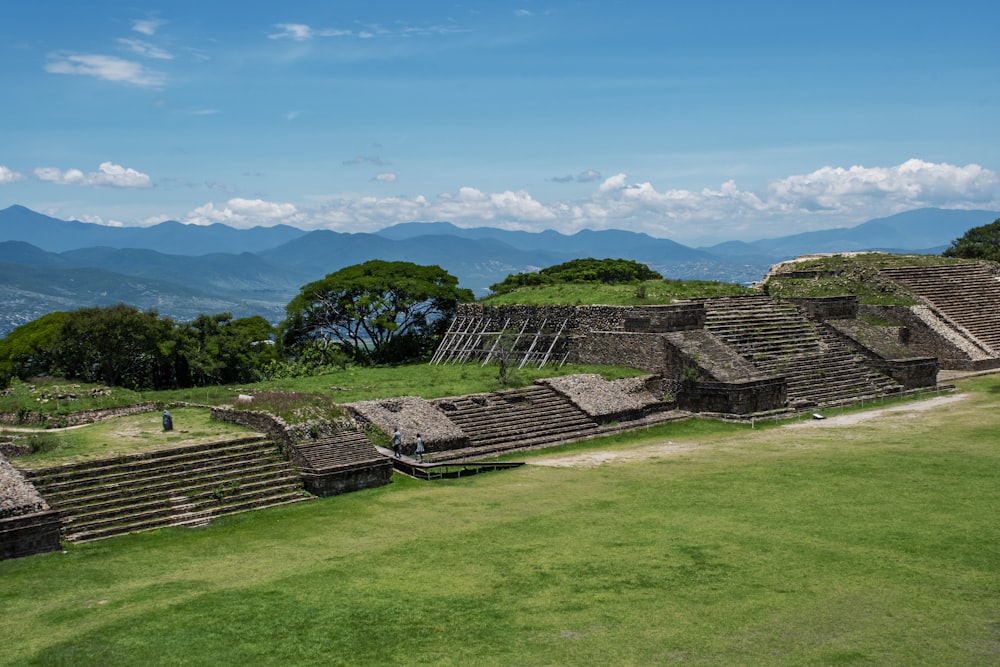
x,y
373,313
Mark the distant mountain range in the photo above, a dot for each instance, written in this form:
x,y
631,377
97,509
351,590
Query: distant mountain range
x,y
48,264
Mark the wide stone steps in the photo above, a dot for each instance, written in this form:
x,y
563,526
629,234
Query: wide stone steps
x,y
165,476
206,499
967,294
101,502
182,486
779,340
346,449
104,468
516,418
760,328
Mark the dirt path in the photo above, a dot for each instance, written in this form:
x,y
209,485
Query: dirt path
x,y
669,448
860,417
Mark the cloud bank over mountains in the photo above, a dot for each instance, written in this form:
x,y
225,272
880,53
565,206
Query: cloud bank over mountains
x,y
826,197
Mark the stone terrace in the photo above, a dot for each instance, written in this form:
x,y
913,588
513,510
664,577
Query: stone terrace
x,y
184,486
780,341
338,462
967,295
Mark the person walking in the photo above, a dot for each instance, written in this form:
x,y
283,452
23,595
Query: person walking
x,y
397,442
419,451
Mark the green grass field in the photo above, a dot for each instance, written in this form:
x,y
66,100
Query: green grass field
x,y
868,543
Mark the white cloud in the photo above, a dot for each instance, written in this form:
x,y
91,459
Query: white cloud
x,y
386,177
827,197
108,175
147,27
911,184
301,32
9,175
108,68
243,213
145,49
298,32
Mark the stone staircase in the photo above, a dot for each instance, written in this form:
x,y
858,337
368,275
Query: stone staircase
x,y
779,340
966,294
514,419
185,486
343,450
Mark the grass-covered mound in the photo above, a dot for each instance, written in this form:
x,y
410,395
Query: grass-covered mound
x,y
131,434
641,293
848,273
701,544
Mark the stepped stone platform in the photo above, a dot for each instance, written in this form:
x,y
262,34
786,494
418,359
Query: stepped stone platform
x,y
779,341
966,297
552,411
514,419
340,462
184,486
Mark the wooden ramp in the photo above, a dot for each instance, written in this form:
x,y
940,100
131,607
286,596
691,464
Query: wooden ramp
x,y
442,469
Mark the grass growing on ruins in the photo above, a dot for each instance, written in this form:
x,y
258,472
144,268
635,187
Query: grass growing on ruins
x,y
858,541
311,396
126,435
356,383
855,274
644,293
53,396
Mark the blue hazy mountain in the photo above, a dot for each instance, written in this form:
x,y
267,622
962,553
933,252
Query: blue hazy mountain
x,y
183,270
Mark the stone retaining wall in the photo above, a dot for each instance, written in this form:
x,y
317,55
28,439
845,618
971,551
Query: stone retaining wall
x,y
287,437
74,418
925,340
829,308
644,351
911,373
740,398
662,319
30,534
27,524
345,481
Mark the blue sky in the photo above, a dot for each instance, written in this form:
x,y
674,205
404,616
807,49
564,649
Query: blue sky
x,y
696,121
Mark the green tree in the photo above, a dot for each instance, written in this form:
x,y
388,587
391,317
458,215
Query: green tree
x,y
588,270
28,349
378,311
981,242
116,345
216,349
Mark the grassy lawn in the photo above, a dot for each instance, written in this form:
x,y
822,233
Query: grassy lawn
x,y
127,435
362,383
870,543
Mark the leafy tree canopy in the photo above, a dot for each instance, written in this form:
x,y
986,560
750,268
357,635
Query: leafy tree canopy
x,y
118,345
122,346
981,242
27,350
607,271
378,311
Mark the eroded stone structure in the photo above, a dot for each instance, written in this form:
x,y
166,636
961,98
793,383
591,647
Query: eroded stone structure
x,y
736,355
